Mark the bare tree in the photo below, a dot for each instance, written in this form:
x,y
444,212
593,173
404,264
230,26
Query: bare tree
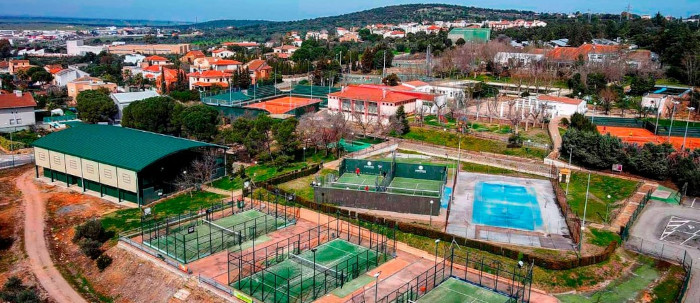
x,y
607,97
201,171
492,107
515,114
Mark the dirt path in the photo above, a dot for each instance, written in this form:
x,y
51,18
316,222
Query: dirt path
x,y
35,243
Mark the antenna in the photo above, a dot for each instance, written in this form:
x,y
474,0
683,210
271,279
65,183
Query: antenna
x,y
589,16
629,9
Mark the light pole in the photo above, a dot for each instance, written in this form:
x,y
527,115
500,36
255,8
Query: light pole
x,y
12,143
658,115
304,153
594,109
431,212
585,207
687,123
376,285
314,287
437,241
670,127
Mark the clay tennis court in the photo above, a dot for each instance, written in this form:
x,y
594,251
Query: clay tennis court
x,y
642,136
283,105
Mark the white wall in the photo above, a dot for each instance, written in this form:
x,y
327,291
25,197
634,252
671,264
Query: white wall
x,y
25,115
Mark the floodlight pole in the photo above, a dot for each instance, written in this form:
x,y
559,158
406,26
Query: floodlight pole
x,y
670,127
314,278
585,207
376,285
437,241
687,123
431,212
571,151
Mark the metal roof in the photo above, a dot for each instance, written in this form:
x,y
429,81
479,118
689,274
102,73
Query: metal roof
x,y
124,98
119,146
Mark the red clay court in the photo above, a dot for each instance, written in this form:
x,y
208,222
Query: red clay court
x,y
642,136
283,105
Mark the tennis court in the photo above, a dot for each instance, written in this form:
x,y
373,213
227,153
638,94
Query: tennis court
x,y
416,187
358,182
283,105
457,291
200,238
309,274
643,136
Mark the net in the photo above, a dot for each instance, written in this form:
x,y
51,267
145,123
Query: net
x,y
225,230
311,264
353,186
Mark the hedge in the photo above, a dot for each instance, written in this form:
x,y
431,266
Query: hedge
x,y
11,145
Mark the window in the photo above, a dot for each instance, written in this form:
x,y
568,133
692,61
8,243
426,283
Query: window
x,y
12,121
108,173
73,164
19,121
126,178
89,168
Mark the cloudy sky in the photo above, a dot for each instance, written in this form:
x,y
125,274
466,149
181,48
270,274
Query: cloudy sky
x,y
202,10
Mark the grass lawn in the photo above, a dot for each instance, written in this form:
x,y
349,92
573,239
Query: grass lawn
x,y
128,219
433,120
258,173
601,187
302,186
601,237
450,139
485,169
492,128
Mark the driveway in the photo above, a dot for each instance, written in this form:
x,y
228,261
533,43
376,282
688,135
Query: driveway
x,y
35,243
647,230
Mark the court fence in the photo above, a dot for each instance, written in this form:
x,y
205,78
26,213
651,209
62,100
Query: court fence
x,y
625,232
275,287
179,237
670,253
573,222
514,282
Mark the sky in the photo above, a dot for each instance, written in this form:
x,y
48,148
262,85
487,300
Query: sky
x,y
283,10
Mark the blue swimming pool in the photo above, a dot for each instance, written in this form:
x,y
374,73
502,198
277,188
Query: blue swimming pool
x,y
507,206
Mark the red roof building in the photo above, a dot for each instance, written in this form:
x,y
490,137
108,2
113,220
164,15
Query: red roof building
x,y
17,109
370,104
206,79
258,69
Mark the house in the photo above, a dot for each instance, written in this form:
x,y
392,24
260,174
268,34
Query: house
x,y
78,48
211,63
206,79
4,67
587,52
122,100
222,53
321,35
87,83
258,69
341,31
16,65
191,55
53,68
149,49
245,44
16,110
66,75
151,72
517,59
370,104
284,51
394,34
657,102
134,59
170,78
154,60
554,106
350,37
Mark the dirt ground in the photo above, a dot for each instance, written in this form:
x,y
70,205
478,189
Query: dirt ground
x,y
13,261
130,278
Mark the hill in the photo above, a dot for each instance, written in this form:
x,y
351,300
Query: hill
x,y
20,20
225,24
387,14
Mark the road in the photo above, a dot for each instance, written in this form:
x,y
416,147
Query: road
x,y
6,161
35,243
649,227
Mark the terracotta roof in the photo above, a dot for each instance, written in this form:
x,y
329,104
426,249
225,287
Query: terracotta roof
x,y
416,83
226,62
87,79
195,53
573,53
209,74
4,64
258,64
372,94
152,68
208,84
216,51
242,44
155,58
560,99
286,47
12,101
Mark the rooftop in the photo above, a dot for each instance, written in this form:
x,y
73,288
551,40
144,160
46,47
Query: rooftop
x,y
118,146
133,96
12,101
372,94
556,99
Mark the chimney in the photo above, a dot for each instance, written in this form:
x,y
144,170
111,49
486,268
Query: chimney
x,y
383,94
18,93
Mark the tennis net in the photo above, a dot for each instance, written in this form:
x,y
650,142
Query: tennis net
x,y
311,264
212,225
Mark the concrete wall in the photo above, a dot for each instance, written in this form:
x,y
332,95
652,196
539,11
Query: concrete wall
x,y
25,115
377,201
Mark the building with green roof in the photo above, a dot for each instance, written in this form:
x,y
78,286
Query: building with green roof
x,y
470,34
124,163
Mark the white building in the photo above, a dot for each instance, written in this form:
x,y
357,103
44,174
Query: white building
x,y
222,53
134,58
554,106
66,75
656,102
122,100
16,111
517,59
77,48
370,104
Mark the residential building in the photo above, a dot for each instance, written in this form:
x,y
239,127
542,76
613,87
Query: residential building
x,y
191,55
246,44
553,106
149,49
470,34
122,100
394,34
211,63
16,111
134,59
320,35
88,83
258,69
517,59
350,37
284,51
16,65
370,104
62,77
657,102
4,67
78,48
154,60
567,56
170,76
206,79
341,31
222,53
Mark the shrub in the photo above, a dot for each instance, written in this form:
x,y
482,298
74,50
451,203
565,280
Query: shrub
x,y
6,242
93,230
15,291
565,121
90,248
515,140
103,262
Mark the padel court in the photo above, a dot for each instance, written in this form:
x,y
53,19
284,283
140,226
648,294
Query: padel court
x,y
454,290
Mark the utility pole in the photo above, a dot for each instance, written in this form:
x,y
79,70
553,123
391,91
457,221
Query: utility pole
x,y
384,66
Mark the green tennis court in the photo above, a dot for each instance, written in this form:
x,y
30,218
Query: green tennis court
x,y
416,187
200,238
457,291
291,278
358,182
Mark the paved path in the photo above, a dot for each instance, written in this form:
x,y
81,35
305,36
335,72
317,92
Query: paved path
x,y
648,228
556,137
35,243
628,209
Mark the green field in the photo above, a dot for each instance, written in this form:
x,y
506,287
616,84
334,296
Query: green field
x,y
598,203
624,290
457,291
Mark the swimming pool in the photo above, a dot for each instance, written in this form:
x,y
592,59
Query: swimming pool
x,y
507,206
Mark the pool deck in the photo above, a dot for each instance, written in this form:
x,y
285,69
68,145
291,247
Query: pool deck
x,y
553,233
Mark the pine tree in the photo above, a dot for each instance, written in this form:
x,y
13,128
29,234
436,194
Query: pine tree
x,y
403,121
367,60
